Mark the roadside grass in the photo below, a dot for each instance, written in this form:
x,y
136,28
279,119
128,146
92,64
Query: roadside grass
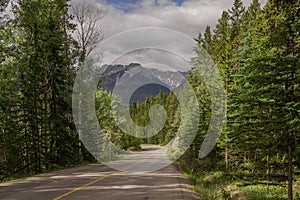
x,y
218,185
264,192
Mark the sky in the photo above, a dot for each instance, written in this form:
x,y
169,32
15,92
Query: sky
x,y
178,2
188,17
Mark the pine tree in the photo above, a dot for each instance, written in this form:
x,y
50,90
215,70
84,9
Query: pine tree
x,y
45,78
207,41
242,133
10,144
267,87
283,44
236,13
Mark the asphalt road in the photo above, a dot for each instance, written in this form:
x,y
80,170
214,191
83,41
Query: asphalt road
x,y
136,181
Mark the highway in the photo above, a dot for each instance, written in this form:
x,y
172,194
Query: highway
x,y
137,181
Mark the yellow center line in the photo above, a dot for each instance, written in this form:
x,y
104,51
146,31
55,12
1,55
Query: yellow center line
x,y
86,185
97,180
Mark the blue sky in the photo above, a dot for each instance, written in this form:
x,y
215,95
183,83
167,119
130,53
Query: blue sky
x,y
189,16
121,1
135,1
114,2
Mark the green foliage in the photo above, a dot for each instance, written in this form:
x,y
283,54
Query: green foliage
x,y
223,185
3,5
236,13
265,193
257,52
38,54
140,114
108,124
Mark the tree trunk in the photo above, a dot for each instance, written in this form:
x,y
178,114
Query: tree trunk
x,y
268,171
290,169
226,157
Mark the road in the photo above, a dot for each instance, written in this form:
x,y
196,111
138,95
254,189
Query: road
x,y
101,182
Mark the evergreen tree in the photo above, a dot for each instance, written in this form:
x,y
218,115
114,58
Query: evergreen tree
x,y
265,97
37,81
242,133
236,13
207,41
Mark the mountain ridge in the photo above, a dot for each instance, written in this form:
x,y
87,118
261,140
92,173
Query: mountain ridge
x,y
135,75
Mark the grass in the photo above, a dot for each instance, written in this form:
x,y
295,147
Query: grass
x,y
264,192
209,185
219,185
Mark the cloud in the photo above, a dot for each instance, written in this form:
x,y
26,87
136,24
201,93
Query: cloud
x,y
190,18
148,45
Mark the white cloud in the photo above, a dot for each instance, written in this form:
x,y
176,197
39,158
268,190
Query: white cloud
x,y
190,18
148,45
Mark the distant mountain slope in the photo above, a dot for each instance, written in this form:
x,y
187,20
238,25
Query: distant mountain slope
x,y
126,77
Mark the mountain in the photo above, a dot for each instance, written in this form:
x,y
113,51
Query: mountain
x,y
135,83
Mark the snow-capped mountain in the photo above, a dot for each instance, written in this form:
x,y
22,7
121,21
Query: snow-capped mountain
x,y
145,82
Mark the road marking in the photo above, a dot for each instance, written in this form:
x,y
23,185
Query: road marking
x,y
86,185
99,179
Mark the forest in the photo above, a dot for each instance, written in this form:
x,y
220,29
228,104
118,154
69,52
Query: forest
x,y
256,50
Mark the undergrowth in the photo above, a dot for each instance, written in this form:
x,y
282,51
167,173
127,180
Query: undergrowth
x,y
219,185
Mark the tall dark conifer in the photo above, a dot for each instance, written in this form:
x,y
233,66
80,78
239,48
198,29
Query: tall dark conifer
x,y
236,13
45,78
